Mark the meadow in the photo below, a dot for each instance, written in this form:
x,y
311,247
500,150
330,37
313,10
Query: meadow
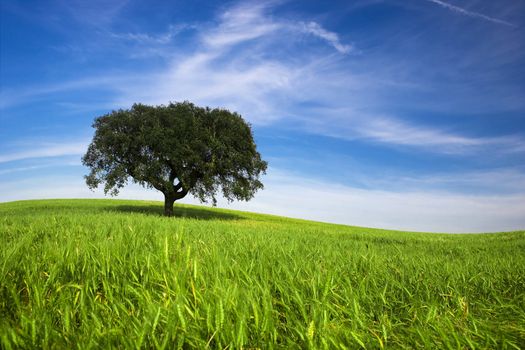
x,y
96,274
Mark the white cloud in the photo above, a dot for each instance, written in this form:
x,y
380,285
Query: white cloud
x,y
31,164
240,24
350,124
45,151
161,39
470,13
247,22
236,85
331,37
10,98
395,132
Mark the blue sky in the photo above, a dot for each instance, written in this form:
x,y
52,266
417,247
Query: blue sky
x,y
397,114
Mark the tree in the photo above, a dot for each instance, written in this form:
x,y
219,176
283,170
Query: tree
x,y
177,149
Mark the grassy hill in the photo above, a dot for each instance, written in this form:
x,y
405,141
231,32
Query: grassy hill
x,y
112,273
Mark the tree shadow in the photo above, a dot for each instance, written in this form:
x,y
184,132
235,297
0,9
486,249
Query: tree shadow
x,y
178,212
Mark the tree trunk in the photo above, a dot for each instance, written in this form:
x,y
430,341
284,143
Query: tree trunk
x,y
168,205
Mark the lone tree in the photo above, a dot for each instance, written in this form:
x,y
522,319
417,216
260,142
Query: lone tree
x,y
177,149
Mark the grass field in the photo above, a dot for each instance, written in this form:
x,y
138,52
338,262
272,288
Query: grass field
x,y
112,273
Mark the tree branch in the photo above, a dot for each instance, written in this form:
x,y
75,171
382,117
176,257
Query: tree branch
x,y
181,194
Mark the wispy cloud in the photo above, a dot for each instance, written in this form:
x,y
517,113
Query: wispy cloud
x,y
162,38
13,97
471,13
250,21
239,24
350,124
40,165
396,132
331,37
46,150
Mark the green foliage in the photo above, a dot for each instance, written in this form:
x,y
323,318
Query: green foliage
x,y
177,149
108,273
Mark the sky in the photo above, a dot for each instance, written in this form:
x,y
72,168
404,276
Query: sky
x,y
399,114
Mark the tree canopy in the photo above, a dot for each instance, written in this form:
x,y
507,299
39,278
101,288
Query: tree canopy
x,y
177,149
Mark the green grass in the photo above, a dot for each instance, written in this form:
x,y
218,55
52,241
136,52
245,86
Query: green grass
x,y
111,273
